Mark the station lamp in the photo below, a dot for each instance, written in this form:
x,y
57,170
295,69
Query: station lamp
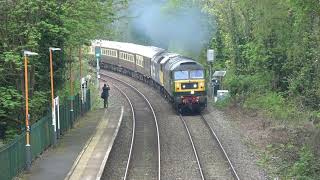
x,y
28,146
52,49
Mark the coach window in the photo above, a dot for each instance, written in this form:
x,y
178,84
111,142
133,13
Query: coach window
x,y
139,60
131,58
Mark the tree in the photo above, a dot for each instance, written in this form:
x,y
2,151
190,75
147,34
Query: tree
x,y
37,25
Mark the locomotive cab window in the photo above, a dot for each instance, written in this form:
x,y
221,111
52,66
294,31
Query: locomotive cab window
x,y
178,75
196,74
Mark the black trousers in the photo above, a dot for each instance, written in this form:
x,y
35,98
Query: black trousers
x,y
105,102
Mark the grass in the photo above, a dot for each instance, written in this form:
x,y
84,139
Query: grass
x,y
293,159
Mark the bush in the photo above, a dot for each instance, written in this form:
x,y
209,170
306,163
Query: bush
x,y
273,104
306,167
243,85
10,134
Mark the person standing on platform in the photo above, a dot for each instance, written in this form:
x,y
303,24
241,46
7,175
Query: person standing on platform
x,y
105,95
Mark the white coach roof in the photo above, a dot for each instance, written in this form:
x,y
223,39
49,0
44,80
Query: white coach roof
x,y
147,51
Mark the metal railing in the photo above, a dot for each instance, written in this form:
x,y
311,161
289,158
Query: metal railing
x,y
13,155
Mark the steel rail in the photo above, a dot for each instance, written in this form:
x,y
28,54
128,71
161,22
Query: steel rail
x,y
154,116
133,131
193,146
234,172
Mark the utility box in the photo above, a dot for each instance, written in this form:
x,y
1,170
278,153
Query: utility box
x,y
222,94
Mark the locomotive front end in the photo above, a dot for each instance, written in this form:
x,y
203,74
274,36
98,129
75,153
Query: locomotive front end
x,y
190,90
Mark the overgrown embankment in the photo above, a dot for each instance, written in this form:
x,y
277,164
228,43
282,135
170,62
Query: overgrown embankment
x,y
271,50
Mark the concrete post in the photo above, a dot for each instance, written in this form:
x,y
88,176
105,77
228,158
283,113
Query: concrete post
x,y
54,130
28,157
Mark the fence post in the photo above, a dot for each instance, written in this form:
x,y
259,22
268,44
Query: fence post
x,y
71,111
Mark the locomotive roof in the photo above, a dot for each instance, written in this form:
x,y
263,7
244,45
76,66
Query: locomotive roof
x,y
177,62
146,51
168,57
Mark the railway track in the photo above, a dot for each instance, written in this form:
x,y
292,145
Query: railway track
x,y
144,154
212,159
222,167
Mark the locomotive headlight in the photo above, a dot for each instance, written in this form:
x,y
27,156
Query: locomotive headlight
x,y
183,86
194,85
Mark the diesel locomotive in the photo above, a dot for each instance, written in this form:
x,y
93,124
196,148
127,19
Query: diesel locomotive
x,y
179,79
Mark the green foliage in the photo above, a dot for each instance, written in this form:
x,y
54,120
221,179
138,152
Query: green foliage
x,y
274,105
10,102
287,161
306,167
244,85
271,51
36,105
10,135
269,45
37,25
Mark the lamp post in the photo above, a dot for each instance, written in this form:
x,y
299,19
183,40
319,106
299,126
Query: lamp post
x,y
98,56
210,59
51,49
71,87
81,90
28,146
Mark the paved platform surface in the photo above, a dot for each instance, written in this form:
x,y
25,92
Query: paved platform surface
x,y
83,149
90,164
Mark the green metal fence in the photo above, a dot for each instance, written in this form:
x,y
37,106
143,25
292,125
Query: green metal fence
x,y
13,155
12,158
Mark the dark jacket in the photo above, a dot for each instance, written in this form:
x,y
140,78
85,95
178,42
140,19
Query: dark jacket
x,y
105,92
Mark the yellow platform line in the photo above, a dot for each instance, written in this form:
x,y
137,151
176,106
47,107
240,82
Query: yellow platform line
x,y
83,158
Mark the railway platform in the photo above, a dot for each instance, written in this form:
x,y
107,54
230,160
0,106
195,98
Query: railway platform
x,y
82,152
